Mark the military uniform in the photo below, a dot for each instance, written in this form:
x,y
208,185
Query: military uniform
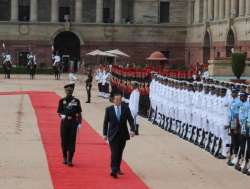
x,y
88,87
69,110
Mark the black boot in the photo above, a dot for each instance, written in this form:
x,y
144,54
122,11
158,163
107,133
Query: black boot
x,y
70,159
137,129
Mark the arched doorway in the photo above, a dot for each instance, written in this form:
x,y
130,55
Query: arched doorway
x,y
230,43
67,44
206,48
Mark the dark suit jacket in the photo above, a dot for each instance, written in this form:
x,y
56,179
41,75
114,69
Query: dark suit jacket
x,y
112,126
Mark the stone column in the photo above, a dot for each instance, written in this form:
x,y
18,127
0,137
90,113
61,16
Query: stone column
x,y
216,9
247,7
205,12
241,7
78,11
14,10
222,9
54,11
233,8
227,8
210,10
118,11
99,11
33,10
189,16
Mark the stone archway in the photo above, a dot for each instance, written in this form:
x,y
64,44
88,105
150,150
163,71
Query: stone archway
x,y
68,45
206,48
230,43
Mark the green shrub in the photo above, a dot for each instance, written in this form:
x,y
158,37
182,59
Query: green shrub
x,y
238,61
24,70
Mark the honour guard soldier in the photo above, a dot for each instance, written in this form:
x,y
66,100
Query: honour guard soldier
x,y
56,58
7,57
89,86
234,127
134,105
69,110
243,112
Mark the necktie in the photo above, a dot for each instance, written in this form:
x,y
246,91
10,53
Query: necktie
x,y
118,112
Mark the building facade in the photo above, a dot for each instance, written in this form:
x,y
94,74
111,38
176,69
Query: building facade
x,y
76,27
215,28
187,31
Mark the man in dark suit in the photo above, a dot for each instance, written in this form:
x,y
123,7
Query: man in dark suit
x,y
115,130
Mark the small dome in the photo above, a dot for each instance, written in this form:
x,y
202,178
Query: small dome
x,y
157,55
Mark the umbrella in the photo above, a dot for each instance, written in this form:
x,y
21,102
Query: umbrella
x,y
100,53
157,56
118,53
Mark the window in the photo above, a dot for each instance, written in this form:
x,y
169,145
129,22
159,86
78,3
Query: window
x,y
164,12
64,14
24,10
4,10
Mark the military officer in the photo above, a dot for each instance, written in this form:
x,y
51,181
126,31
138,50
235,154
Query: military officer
x,y
69,110
89,86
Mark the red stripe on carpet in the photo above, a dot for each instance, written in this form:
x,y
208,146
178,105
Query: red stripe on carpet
x,y
92,158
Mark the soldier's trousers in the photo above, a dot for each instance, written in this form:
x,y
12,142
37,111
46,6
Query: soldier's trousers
x,y
244,147
235,142
68,140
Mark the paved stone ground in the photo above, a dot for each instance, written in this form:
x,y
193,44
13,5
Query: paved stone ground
x,y
161,159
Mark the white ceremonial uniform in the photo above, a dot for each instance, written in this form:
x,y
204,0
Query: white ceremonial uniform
x,y
72,78
57,59
134,104
31,57
7,58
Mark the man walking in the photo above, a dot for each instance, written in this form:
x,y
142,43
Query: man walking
x,y
69,110
115,130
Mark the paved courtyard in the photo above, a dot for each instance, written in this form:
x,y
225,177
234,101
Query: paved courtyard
x,y
160,159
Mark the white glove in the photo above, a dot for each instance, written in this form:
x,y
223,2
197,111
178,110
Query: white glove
x,y
63,116
79,125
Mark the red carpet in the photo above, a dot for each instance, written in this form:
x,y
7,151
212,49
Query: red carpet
x,y
92,159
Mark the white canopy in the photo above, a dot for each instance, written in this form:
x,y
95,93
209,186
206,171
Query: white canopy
x,y
100,53
118,53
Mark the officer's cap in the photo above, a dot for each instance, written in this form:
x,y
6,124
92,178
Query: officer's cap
x,y
69,86
235,90
243,94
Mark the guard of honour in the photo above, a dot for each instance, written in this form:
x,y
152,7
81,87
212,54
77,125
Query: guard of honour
x,y
211,114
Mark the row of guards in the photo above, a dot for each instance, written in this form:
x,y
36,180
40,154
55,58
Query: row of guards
x,y
144,74
123,78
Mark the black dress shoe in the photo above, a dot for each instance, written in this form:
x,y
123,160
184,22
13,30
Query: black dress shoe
x,y
70,164
220,156
65,161
114,175
237,167
87,102
120,173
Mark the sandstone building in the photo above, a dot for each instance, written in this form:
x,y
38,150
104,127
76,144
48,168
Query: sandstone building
x,y
187,31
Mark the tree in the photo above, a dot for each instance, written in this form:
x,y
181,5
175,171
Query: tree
x,y
238,61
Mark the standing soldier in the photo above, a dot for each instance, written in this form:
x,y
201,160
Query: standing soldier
x,y
89,86
98,78
243,112
69,110
56,59
134,105
234,127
